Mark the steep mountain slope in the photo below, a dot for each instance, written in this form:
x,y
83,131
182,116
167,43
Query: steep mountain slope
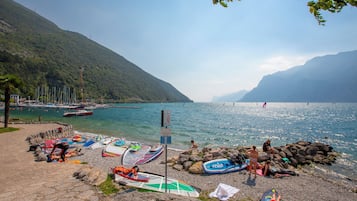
x,y
331,78
44,55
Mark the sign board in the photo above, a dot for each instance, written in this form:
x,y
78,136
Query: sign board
x,y
165,136
165,139
165,118
165,132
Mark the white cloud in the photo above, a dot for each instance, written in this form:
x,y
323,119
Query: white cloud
x,y
279,63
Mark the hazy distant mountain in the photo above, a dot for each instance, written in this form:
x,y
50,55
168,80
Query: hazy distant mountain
x,y
44,55
233,97
331,78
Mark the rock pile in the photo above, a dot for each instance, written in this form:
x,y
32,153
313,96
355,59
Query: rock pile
x,y
90,175
38,140
303,153
60,132
289,156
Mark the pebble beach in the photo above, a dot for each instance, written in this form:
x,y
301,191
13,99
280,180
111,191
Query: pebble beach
x,y
55,181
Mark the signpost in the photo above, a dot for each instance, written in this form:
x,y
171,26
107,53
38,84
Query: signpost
x,y
165,137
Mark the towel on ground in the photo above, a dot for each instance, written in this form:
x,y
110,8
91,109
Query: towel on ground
x,y
224,191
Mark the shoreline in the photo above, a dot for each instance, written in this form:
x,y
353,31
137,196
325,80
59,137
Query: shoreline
x,y
307,186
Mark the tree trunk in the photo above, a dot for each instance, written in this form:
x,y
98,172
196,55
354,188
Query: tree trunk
x,y
7,106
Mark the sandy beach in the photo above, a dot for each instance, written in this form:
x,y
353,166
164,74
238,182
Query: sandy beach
x,y
24,179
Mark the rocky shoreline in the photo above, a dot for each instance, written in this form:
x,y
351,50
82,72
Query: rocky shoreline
x,y
307,186
289,156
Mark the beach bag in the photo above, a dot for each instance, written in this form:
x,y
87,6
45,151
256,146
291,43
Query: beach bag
x,y
49,159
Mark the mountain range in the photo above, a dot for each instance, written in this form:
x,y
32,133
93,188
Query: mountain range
x,y
232,97
330,78
42,54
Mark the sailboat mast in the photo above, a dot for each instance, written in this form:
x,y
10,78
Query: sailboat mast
x,y
81,83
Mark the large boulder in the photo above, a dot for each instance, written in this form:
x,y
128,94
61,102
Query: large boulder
x,y
300,159
178,167
183,158
282,154
207,157
302,152
319,159
195,158
187,165
173,159
196,168
90,175
293,162
312,150
216,154
287,153
277,157
263,157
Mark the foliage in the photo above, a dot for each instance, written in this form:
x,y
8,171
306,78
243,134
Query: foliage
x,y
333,6
8,83
8,129
44,55
315,7
107,187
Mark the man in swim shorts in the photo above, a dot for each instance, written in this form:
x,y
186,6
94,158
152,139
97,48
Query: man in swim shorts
x,y
253,161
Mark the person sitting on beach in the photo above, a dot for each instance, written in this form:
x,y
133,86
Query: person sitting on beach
x,y
193,145
268,171
253,161
267,147
60,145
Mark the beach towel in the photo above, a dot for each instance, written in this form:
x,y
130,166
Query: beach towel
x,y
224,191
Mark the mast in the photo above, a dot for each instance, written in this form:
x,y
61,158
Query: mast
x,y
81,83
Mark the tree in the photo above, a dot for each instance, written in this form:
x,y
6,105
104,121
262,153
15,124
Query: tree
x,y
315,7
8,83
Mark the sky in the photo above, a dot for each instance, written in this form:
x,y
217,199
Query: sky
x,y
206,50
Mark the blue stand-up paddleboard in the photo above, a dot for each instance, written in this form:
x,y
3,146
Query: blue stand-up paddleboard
x,y
222,166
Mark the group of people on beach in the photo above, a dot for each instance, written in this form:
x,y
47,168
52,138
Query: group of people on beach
x,y
63,154
266,168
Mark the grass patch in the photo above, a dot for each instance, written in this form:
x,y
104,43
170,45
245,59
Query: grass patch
x,y
145,190
107,187
8,129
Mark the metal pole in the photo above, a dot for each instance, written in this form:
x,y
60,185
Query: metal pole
x,y
166,165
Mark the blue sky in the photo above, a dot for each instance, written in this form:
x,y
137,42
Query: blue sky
x,y
205,50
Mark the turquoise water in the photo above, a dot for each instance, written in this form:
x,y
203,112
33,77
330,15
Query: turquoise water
x,y
228,124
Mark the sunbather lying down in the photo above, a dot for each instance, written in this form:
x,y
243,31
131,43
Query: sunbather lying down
x,y
64,154
276,173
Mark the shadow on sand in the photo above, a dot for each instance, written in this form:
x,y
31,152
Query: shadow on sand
x,y
250,181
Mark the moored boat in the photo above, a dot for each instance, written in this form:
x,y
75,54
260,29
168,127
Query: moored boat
x,y
78,113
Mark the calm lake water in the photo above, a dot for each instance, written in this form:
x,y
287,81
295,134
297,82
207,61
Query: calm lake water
x,y
225,124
